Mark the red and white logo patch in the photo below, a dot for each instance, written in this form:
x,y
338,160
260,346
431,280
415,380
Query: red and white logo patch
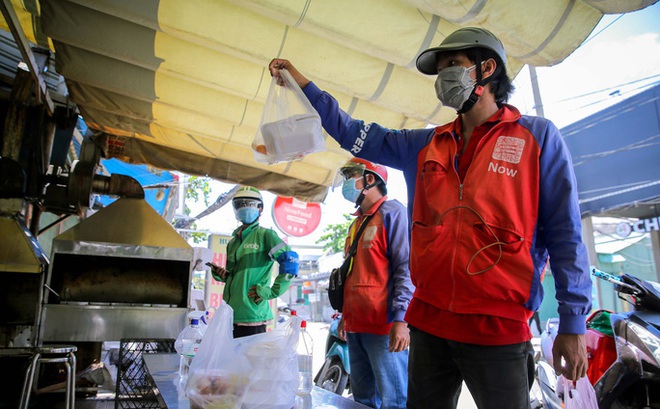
x,y
508,149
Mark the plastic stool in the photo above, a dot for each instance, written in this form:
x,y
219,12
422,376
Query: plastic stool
x,y
51,354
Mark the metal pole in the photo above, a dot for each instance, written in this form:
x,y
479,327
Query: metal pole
x,y
538,104
23,45
590,243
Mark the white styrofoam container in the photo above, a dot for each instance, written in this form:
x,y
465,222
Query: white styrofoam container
x,y
292,137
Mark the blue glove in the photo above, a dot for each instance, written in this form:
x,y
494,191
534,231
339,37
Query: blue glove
x,y
289,263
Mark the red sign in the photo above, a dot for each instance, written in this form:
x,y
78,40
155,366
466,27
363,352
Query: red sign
x,y
296,218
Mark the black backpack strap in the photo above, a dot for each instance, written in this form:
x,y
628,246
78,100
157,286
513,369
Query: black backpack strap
x,y
353,248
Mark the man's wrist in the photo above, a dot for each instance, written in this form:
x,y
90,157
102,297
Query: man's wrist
x,y
572,324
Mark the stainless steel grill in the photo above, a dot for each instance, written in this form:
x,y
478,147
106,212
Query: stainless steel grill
x,y
22,268
122,273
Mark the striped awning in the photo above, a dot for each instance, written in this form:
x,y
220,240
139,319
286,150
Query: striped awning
x,y
180,84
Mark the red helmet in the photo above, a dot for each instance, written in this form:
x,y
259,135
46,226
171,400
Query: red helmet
x,y
359,166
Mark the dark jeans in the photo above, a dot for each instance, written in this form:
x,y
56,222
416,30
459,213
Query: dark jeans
x,y
498,377
246,330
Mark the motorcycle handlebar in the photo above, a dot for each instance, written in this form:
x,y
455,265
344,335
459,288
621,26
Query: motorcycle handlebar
x,y
621,286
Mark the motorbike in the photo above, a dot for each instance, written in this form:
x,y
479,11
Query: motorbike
x,y
623,349
334,374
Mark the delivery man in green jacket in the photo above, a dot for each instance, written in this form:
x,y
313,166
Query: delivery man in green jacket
x,y
250,257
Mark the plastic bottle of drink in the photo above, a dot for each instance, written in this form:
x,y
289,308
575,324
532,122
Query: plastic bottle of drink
x,y
186,345
305,353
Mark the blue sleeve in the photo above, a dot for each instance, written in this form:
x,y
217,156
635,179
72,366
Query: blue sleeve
x,y
400,287
289,262
560,228
393,148
279,251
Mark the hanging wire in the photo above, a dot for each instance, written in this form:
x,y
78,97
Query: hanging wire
x,y
644,143
600,32
613,87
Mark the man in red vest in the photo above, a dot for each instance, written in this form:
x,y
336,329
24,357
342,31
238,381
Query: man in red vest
x,y
492,199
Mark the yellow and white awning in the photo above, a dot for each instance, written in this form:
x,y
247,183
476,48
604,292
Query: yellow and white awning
x,y
180,84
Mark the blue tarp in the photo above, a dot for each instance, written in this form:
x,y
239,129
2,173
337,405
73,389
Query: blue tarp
x,y
616,156
145,175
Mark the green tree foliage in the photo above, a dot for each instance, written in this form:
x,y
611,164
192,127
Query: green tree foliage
x,y
334,236
198,188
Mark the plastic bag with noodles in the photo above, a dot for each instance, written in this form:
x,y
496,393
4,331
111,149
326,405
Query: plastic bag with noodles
x,y
220,374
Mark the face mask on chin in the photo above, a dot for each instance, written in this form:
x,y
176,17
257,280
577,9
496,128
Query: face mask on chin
x,y
454,85
247,215
349,191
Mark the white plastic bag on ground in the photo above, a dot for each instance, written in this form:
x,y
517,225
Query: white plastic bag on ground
x,y
290,127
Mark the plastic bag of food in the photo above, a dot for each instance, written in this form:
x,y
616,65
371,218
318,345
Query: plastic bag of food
x,y
251,372
273,356
220,374
290,127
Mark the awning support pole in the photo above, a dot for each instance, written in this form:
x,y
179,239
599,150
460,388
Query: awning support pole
x,y
26,51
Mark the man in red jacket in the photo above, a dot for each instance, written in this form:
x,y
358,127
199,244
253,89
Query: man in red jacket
x,y
378,289
492,199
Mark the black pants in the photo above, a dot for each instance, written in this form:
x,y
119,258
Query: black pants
x,y
246,330
498,377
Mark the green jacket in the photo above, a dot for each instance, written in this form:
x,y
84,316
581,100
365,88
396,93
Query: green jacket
x,y
250,262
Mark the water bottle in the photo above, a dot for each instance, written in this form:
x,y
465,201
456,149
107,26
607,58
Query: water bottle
x,y
305,353
186,345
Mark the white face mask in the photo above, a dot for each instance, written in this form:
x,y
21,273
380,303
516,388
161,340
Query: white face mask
x,y
454,86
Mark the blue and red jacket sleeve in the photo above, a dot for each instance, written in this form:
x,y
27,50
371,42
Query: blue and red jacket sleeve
x,y
559,227
397,149
400,287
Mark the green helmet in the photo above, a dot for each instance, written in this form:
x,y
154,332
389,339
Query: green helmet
x,y
248,192
461,39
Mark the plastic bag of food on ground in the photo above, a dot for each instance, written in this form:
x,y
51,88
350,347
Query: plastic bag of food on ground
x,y
290,127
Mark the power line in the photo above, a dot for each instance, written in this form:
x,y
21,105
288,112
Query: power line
x,y
619,186
618,92
603,29
612,115
645,143
619,192
608,89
